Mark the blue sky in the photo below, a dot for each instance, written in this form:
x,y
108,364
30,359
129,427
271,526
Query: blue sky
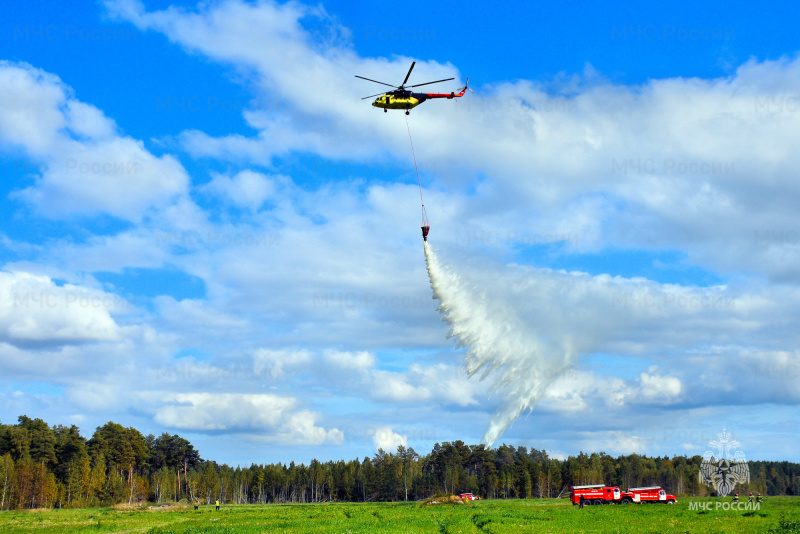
x,y
208,232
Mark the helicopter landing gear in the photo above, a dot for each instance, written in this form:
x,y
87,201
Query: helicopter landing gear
x,y
385,110
408,112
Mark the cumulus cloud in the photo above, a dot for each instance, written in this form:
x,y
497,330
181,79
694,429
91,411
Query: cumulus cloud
x,y
396,388
209,411
388,440
301,428
355,361
274,415
658,387
277,362
80,164
439,383
247,189
91,396
36,311
580,391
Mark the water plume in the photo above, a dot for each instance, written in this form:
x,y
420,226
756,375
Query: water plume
x,y
523,327
492,320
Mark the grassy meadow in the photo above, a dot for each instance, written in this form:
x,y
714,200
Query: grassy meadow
x,y
777,514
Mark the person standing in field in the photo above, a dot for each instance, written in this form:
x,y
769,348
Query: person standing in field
x,y
217,503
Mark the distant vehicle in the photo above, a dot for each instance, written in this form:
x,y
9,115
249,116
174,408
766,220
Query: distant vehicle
x,y
648,494
595,494
468,497
602,494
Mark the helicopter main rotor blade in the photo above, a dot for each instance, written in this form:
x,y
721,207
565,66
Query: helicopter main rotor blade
x,y
409,73
437,81
376,81
377,94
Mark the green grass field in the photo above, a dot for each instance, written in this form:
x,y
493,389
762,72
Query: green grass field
x,y
777,514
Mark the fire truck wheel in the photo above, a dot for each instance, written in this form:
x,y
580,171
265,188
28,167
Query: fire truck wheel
x,y
597,501
626,501
587,502
670,501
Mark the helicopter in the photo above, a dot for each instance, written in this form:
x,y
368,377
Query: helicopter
x,y
402,98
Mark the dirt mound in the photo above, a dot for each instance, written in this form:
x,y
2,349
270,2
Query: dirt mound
x,y
443,499
166,507
129,506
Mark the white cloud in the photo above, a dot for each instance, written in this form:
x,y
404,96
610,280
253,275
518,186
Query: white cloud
x,y
567,393
84,167
619,442
29,110
198,315
395,388
87,121
447,384
133,249
432,385
34,310
355,361
388,440
276,362
93,396
301,428
223,411
274,416
247,189
578,392
657,387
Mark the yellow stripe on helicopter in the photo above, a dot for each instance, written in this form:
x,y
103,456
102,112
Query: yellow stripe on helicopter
x,y
392,102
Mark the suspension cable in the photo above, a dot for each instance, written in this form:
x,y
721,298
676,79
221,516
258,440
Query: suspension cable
x,y
419,182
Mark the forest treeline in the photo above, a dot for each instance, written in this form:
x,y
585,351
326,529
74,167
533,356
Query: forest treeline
x,y
54,466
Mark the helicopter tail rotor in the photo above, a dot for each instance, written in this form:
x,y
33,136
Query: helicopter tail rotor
x,y
467,86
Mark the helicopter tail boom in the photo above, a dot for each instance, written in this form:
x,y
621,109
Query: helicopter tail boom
x,y
461,92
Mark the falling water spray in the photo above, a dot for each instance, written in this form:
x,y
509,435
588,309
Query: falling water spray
x,y
500,344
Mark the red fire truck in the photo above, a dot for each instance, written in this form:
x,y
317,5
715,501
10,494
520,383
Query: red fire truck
x,y
648,494
595,494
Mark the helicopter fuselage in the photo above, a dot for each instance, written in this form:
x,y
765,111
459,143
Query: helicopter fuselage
x,y
400,100
408,100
